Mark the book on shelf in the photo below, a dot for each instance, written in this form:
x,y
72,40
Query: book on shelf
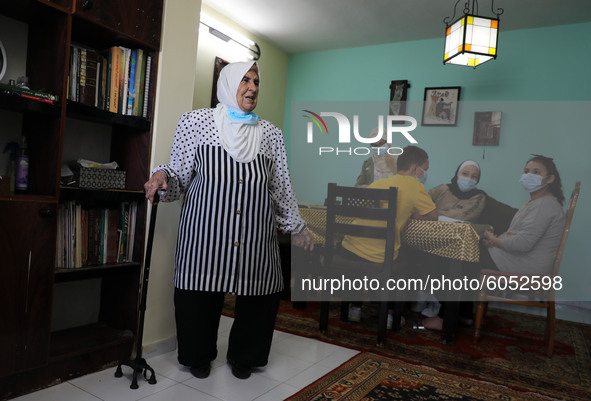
x,y
115,73
93,236
73,76
131,82
102,103
131,231
126,55
140,75
111,246
87,76
96,235
78,243
116,79
147,86
29,93
98,81
124,231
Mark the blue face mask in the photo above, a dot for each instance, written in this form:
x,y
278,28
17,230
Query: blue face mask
x,y
380,151
466,184
237,116
424,179
531,182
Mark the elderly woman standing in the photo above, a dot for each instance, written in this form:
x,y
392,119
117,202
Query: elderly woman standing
x,y
232,168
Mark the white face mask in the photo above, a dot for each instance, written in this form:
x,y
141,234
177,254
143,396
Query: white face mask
x,y
466,184
381,150
424,179
531,182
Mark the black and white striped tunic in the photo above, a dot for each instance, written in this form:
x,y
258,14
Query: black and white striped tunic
x,y
231,211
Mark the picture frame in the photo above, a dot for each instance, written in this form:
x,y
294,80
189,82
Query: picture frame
x,y
3,61
440,106
487,128
219,63
398,93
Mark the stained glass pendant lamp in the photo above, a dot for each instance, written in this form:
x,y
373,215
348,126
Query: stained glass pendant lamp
x,y
471,40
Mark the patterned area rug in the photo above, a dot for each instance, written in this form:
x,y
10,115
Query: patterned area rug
x,y
369,377
511,351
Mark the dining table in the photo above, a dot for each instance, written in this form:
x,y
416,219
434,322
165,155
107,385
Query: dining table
x,y
455,244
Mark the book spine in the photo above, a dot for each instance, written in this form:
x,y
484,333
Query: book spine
x,y
140,76
40,99
88,71
31,93
122,108
147,86
115,74
131,85
82,77
97,92
108,82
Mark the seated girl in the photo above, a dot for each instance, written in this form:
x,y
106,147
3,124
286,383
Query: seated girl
x,y
530,244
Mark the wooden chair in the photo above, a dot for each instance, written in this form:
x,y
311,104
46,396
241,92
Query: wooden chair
x,y
548,303
348,203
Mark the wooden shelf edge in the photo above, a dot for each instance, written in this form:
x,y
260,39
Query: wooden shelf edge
x,y
90,113
87,339
88,272
28,198
122,38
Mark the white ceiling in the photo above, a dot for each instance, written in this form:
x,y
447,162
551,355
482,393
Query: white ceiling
x,y
297,26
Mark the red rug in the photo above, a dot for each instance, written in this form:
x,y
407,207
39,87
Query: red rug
x,y
370,376
511,352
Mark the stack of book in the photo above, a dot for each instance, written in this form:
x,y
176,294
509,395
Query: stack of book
x,y
116,79
95,236
29,93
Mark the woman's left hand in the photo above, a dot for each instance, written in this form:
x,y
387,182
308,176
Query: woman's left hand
x,y
491,240
303,240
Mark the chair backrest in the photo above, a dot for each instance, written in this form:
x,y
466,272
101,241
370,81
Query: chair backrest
x,y
570,211
344,203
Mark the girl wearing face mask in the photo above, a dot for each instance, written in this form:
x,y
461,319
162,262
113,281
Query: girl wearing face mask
x,y
530,244
460,199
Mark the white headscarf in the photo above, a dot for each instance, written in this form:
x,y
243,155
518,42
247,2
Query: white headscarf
x,y
240,133
383,166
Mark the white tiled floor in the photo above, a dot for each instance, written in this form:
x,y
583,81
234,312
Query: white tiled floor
x,y
294,363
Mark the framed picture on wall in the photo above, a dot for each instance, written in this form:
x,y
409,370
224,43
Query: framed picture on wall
x,y
487,128
398,91
217,68
440,106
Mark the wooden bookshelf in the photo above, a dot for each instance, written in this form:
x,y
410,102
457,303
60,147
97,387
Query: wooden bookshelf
x,y
34,354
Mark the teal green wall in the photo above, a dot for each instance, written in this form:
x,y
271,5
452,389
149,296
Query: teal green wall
x,y
541,83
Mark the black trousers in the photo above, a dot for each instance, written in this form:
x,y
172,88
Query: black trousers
x,y
198,313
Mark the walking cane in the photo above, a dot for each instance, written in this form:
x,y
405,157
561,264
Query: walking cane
x,y
139,364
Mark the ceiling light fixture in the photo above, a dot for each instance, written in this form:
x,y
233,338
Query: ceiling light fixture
x,y
226,34
471,40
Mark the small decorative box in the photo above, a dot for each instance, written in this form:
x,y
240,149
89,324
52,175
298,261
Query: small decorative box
x,y
99,178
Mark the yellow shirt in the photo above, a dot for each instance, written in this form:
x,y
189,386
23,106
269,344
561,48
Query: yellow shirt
x,y
411,196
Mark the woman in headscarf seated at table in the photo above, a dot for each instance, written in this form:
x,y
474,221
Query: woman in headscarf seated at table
x,y
458,200
530,244
381,164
